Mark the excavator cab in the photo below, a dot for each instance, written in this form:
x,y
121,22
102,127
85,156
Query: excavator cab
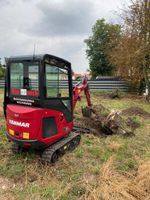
x,y
37,106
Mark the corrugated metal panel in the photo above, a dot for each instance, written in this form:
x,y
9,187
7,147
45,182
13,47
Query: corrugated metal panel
x,y
106,85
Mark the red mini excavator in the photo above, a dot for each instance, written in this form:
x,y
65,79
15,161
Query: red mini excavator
x,y
39,108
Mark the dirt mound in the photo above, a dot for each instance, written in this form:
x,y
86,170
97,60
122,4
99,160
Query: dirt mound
x,y
133,96
115,94
136,111
106,122
133,124
93,124
112,185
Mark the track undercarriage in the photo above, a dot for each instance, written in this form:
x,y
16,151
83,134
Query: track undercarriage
x,y
52,153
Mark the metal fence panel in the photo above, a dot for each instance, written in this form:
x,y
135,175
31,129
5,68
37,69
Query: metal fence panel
x,y
100,85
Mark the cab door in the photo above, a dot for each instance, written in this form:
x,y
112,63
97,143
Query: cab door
x,y
58,89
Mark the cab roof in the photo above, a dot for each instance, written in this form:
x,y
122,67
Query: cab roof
x,y
37,57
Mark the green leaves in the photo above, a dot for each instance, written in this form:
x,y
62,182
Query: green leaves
x,y
2,71
98,46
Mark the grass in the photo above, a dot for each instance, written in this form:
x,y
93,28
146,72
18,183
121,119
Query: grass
x,y
76,173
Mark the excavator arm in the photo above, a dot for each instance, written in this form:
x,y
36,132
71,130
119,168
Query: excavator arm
x,y
78,89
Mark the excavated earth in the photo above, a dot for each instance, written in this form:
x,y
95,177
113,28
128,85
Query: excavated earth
x,y
122,119
136,111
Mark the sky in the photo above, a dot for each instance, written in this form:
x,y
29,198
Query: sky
x,y
57,27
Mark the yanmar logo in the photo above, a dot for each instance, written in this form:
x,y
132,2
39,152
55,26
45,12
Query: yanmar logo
x,y
21,124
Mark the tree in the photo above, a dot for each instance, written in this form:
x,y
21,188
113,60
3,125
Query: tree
x,y
104,36
2,70
132,54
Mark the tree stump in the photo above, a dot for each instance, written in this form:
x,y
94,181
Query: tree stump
x,y
114,94
105,121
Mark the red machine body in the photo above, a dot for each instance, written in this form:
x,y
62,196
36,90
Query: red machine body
x,y
23,120
34,119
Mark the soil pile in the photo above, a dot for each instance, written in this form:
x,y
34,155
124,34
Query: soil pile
x,y
136,111
115,94
101,120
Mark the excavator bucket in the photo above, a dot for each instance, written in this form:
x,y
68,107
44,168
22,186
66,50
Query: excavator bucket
x,y
86,111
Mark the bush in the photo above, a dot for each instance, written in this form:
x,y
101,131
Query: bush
x,y
2,72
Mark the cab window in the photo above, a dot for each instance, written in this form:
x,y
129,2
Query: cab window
x,y
24,78
57,84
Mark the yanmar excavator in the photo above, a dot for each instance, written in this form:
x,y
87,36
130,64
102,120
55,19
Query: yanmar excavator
x,y
38,108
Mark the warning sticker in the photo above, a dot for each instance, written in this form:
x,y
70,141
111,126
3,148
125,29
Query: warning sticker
x,y
23,91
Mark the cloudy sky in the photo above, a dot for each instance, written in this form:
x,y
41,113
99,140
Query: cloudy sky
x,y
58,27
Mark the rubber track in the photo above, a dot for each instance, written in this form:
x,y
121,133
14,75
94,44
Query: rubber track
x,y
47,154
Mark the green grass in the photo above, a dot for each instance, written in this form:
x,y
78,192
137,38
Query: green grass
x,y
66,179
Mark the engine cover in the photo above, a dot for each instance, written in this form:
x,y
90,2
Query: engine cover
x,y
40,124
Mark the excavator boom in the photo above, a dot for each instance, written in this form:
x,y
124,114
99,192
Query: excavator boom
x,y
78,89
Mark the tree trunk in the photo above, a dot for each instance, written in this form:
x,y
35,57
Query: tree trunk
x,y
146,73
